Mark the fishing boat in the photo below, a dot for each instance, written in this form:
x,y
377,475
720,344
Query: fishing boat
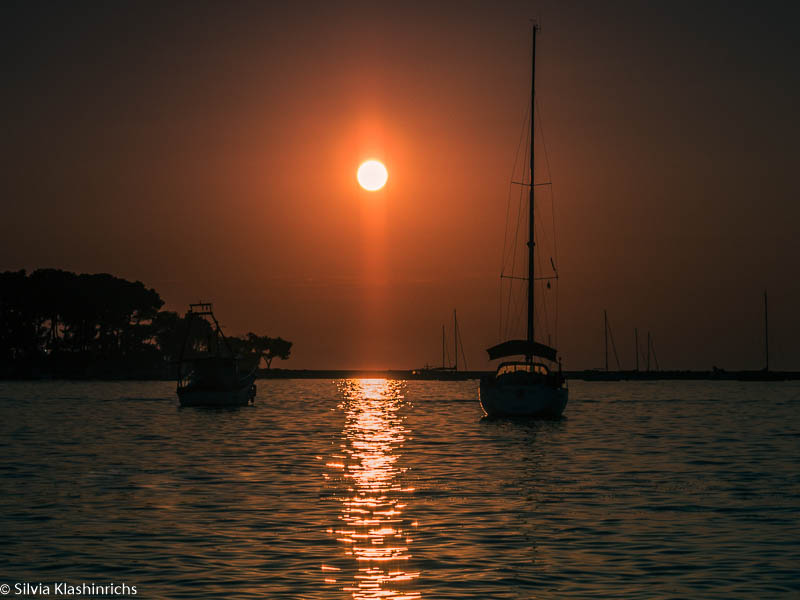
x,y
209,373
531,386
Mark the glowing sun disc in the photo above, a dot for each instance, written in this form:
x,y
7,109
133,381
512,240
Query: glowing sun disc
x,y
372,175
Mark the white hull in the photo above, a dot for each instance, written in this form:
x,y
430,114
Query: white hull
x,y
204,397
533,400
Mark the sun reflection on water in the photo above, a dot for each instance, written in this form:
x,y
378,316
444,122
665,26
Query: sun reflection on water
x,y
372,528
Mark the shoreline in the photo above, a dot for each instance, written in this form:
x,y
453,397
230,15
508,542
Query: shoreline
x,y
584,375
444,375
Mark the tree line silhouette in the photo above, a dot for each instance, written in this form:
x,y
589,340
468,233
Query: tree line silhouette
x,y
56,323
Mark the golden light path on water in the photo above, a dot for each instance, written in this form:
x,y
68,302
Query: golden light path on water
x,y
371,528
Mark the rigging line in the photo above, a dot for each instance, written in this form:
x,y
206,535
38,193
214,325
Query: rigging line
x,y
504,324
514,251
515,325
515,244
541,235
653,346
463,356
510,288
520,300
505,300
613,345
549,176
517,311
524,198
541,232
543,296
543,242
509,314
500,310
512,316
511,187
555,325
552,208
447,355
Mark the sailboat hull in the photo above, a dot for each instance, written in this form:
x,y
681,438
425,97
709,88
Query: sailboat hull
x,y
241,395
530,400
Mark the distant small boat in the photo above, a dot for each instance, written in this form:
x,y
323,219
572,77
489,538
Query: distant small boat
x,y
210,375
445,372
528,387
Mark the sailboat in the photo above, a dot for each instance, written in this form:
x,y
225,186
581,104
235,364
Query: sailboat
x,y
528,386
445,371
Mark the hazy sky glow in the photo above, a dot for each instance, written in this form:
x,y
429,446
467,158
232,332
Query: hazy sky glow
x,y
209,150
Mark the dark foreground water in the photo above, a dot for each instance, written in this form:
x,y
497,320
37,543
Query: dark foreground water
x,y
381,489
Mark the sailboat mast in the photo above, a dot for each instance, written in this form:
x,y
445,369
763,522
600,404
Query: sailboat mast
x,y
443,364
535,28
766,332
455,339
605,332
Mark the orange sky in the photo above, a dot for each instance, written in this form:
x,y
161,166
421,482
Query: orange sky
x,y
210,151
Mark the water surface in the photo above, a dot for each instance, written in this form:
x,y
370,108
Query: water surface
x,y
381,489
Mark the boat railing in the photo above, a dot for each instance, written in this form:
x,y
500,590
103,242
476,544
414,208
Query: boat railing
x,y
201,308
522,367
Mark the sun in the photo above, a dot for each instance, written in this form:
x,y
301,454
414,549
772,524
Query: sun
x,y
372,175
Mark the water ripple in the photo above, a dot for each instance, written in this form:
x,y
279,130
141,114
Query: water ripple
x,y
383,489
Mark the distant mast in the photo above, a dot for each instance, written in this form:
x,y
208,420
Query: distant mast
x,y
455,339
605,333
766,332
443,363
535,28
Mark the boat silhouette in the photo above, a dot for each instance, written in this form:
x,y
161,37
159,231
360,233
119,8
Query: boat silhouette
x,y
530,386
209,373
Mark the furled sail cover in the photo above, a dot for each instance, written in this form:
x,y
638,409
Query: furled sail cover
x,y
516,347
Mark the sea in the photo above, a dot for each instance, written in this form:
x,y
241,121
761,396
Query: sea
x,y
383,489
